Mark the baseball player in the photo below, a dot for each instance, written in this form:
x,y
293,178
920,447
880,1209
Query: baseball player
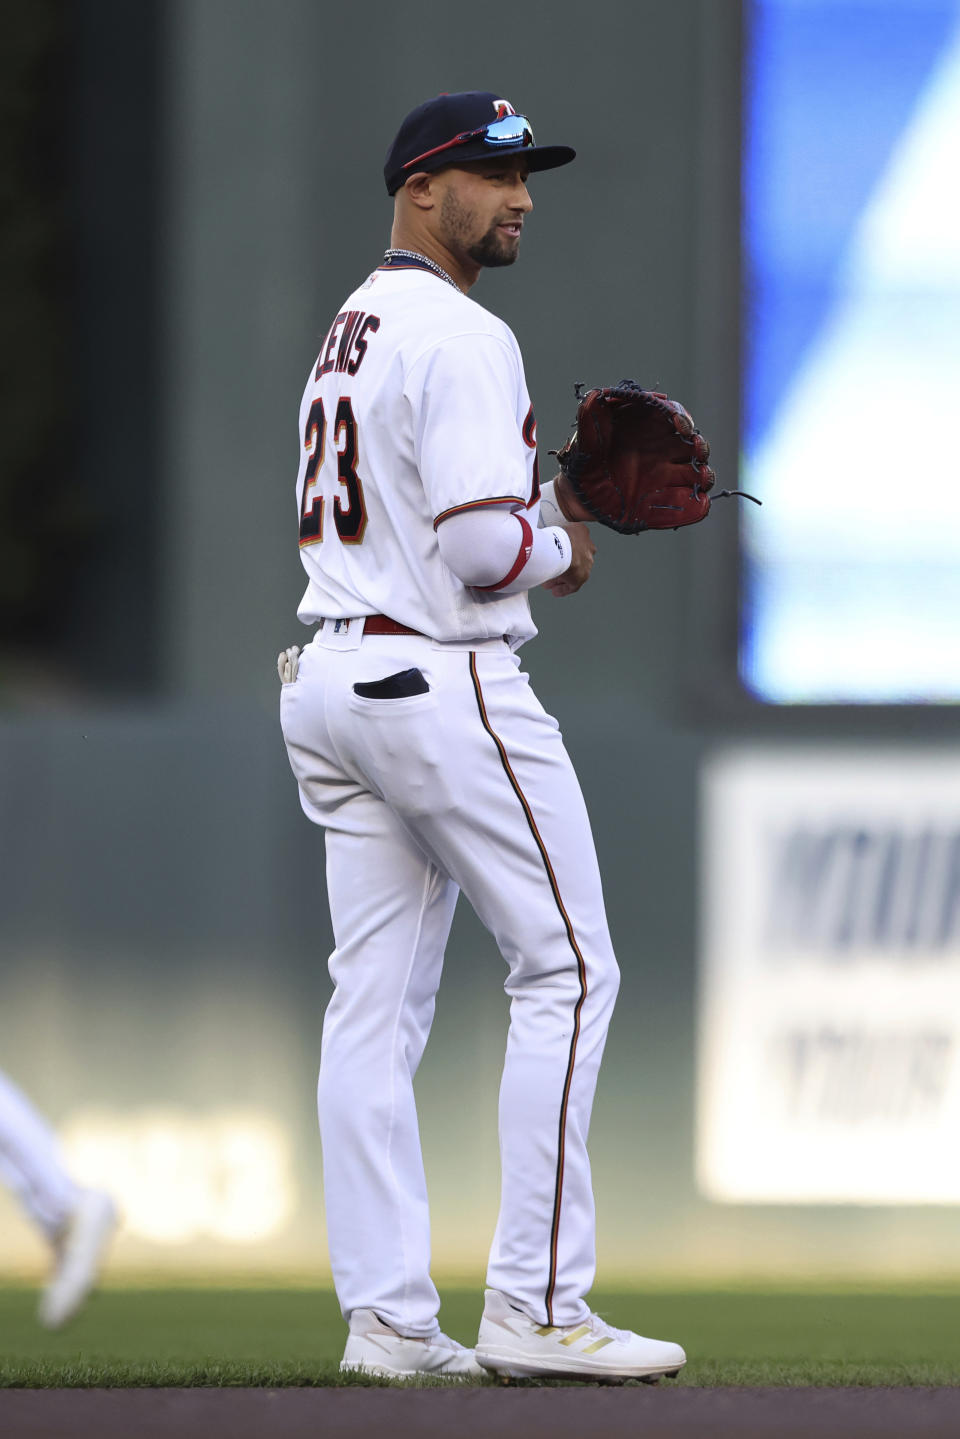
x,y
419,746
78,1223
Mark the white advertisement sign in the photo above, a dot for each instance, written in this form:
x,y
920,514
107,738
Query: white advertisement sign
x,y
829,1047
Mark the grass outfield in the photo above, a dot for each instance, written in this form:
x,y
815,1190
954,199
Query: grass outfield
x,y
280,1337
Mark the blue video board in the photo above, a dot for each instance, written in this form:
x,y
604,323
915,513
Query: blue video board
x,y
851,242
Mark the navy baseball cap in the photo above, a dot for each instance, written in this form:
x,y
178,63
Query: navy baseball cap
x,y
471,125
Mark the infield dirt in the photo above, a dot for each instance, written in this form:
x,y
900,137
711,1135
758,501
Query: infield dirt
x,y
529,1413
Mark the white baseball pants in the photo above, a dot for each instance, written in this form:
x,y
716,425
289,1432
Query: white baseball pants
x,y
30,1162
467,787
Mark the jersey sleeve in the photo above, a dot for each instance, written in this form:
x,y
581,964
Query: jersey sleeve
x,y
463,394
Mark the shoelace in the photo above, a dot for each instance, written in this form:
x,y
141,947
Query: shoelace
x,y
602,1329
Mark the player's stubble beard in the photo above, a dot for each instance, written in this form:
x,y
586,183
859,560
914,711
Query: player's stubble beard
x,y
458,223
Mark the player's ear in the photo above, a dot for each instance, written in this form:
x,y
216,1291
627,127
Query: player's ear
x,y
420,190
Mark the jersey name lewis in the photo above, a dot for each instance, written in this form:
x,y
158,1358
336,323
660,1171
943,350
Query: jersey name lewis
x,y
345,343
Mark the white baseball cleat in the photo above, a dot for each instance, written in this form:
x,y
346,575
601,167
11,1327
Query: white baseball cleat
x,y
374,1348
80,1250
512,1344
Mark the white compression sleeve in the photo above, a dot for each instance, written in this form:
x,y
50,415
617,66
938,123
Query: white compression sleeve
x,y
550,511
497,549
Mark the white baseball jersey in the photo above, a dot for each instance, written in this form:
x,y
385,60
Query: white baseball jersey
x,y
417,410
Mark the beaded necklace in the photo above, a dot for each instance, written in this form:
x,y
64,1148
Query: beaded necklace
x,y
421,260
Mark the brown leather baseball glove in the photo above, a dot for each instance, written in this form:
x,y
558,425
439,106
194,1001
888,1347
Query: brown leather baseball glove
x,y
636,460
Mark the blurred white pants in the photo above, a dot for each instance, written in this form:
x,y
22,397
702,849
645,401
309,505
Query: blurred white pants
x,y
467,787
31,1163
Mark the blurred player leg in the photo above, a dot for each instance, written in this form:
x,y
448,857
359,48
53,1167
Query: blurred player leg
x,y
31,1162
78,1223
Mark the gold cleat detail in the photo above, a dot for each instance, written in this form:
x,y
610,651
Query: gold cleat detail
x,y
597,1344
579,1333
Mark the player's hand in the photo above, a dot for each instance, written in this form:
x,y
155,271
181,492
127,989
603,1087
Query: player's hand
x,y
577,575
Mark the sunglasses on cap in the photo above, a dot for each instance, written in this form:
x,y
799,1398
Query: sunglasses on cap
x,y
511,130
